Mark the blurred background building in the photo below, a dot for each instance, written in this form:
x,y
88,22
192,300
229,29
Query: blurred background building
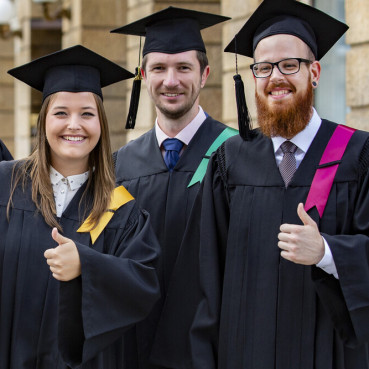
x,y
32,28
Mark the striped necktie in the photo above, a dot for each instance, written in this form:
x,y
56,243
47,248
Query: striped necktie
x,y
287,167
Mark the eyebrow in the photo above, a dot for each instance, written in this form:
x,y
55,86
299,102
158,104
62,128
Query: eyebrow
x,y
66,107
187,64
155,64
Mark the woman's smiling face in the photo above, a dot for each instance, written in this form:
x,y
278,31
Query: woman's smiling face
x,y
72,130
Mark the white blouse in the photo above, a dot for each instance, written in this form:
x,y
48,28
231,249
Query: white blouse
x,y
65,188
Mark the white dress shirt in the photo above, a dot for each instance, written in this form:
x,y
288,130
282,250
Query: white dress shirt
x,y
303,141
187,132
65,188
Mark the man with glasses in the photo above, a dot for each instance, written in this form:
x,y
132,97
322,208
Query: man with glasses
x,y
283,232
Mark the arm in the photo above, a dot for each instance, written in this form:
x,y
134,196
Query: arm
x,y
113,292
347,300
351,256
213,240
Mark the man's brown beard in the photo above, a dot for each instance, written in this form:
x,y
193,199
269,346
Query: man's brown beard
x,y
285,120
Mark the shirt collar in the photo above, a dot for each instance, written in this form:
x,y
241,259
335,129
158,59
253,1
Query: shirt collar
x,y
74,181
187,133
304,138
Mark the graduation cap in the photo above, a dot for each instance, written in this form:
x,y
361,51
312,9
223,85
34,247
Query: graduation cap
x,y
75,69
170,31
316,28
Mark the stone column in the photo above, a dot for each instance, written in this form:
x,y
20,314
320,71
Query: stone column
x,y
90,26
357,72
38,36
7,93
22,93
239,11
137,9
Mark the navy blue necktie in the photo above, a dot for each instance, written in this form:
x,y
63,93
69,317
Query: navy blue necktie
x,y
172,147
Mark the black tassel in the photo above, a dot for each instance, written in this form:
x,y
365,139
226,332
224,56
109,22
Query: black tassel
x,y
135,98
244,120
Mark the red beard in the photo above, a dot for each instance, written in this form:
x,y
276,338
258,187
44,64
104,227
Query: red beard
x,y
285,120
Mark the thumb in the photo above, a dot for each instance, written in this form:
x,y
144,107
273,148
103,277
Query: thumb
x,y
304,216
58,237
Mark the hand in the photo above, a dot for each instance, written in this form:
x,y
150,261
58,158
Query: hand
x,y
301,244
64,259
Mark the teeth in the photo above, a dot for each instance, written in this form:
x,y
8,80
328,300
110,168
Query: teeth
x,y
171,95
280,92
73,138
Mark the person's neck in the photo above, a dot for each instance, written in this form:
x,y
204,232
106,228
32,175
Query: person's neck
x,y
70,169
171,127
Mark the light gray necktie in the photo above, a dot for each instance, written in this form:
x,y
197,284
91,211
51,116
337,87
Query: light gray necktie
x,y
287,167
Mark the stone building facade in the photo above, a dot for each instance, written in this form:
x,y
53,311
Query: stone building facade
x,y
90,22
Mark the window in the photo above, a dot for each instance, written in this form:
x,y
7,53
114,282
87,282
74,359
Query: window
x,y
330,97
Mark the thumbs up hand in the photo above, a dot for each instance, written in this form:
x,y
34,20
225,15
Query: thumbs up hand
x,y
64,259
301,244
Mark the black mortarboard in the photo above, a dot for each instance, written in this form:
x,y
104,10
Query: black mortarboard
x,y
170,31
316,28
75,69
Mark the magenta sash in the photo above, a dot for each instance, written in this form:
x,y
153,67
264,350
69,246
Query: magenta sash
x,y
324,175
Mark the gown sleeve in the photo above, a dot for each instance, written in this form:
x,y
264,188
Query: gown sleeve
x,y
347,299
4,152
115,290
187,334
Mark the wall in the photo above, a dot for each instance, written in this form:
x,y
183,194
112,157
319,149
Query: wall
x,y
7,93
90,25
357,72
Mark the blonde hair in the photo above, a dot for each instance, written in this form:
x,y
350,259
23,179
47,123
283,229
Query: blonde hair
x,y
36,169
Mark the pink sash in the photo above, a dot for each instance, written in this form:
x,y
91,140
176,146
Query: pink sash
x,y
324,175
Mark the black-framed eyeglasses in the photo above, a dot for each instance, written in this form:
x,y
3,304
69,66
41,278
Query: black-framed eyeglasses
x,y
285,66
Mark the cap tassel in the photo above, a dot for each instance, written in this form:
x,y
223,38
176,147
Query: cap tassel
x,y
135,98
244,120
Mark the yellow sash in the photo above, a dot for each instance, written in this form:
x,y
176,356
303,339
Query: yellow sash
x,y
119,197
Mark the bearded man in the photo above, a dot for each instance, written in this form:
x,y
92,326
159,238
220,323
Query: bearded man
x,y
282,285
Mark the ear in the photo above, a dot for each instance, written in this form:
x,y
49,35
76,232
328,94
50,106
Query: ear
x,y
315,69
205,75
143,74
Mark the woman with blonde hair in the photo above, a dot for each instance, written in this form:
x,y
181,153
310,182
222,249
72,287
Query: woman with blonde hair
x,y
77,257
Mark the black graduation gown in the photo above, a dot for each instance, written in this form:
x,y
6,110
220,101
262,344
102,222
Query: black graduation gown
x,y
85,317
140,167
255,309
4,152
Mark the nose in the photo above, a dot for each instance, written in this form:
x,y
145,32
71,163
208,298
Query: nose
x,y
74,122
276,74
171,78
